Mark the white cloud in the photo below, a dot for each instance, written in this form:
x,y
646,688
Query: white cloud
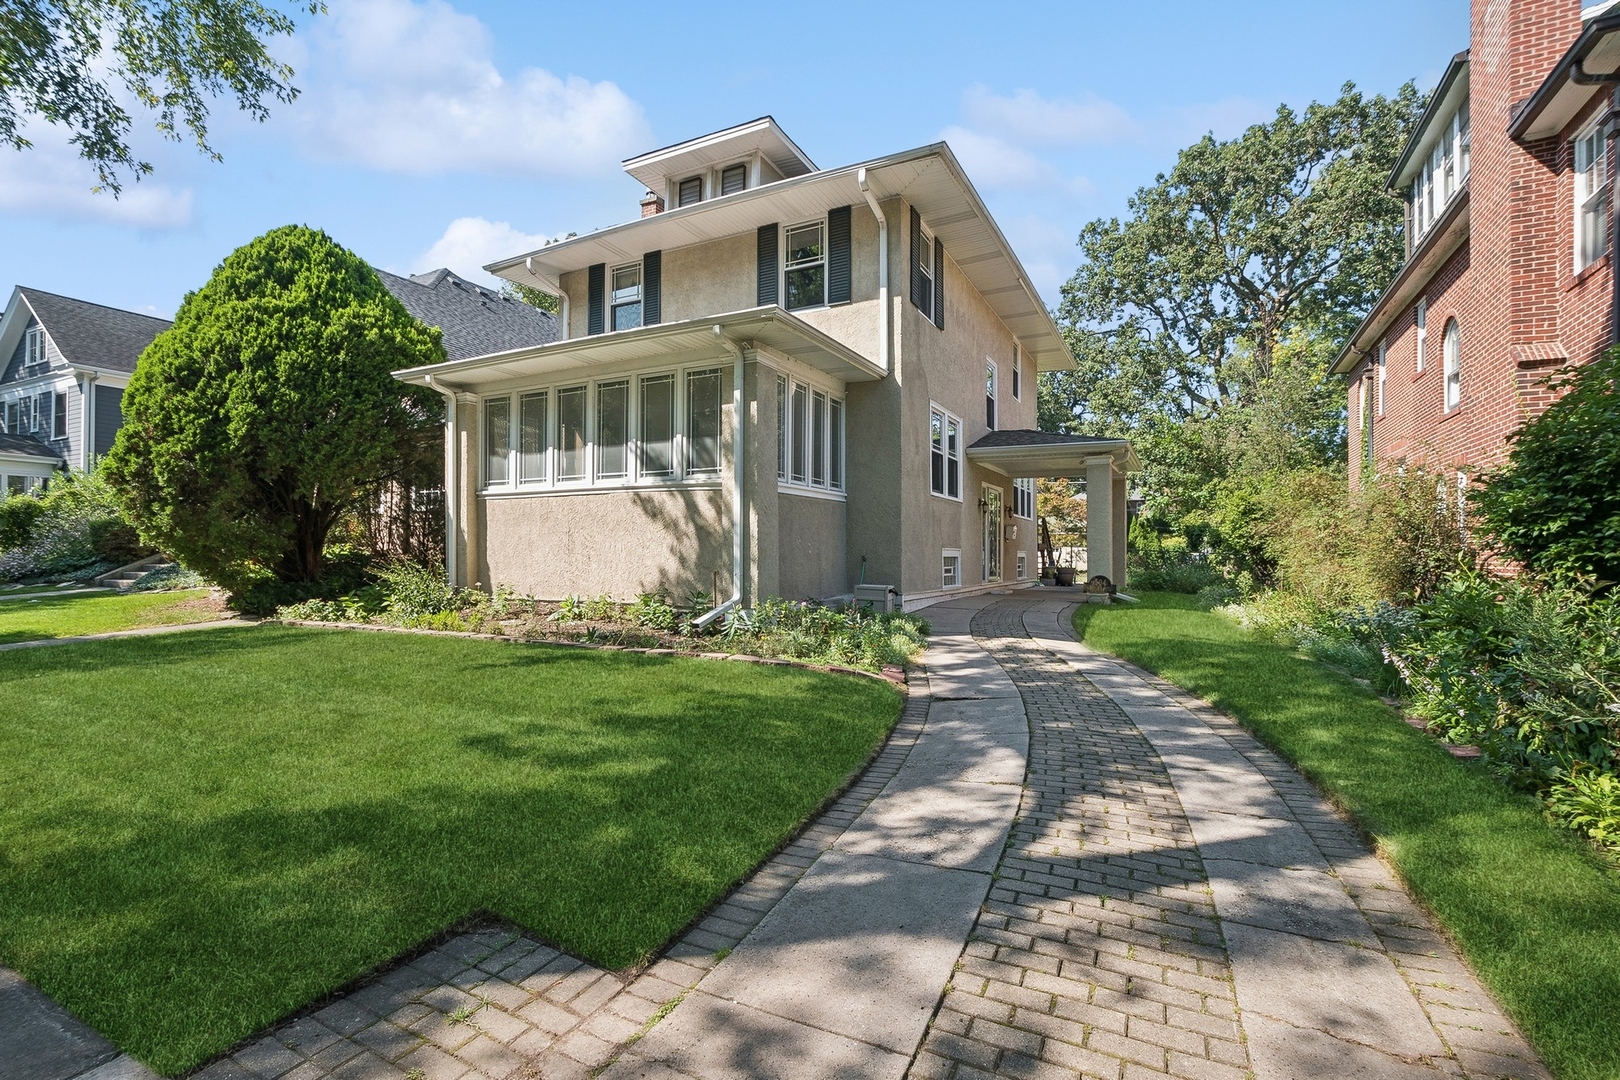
x,y
1027,117
1225,119
470,242
412,87
50,179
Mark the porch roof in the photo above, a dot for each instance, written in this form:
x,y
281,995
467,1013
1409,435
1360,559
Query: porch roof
x,y
1021,453
677,342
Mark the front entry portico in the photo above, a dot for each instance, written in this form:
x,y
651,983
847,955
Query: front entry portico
x,y
1103,464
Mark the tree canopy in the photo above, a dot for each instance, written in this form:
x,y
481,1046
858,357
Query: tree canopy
x,y
269,408
171,56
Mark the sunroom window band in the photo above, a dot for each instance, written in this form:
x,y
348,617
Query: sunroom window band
x,y
596,298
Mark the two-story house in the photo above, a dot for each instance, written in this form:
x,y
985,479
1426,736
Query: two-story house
x,y
779,380
67,362
1510,233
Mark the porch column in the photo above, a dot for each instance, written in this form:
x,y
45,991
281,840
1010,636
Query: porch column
x,y
87,421
1120,506
1100,532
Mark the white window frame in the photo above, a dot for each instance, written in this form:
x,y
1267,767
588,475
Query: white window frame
x,y
720,178
1421,321
950,568
1383,377
821,260
34,347
1017,373
925,264
702,184
1451,363
614,304
832,437
947,421
1443,173
1592,203
1023,565
1024,498
59,419
992,395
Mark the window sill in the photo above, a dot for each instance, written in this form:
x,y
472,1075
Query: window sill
x,y
825,494
947,498
1416,375
1578,278
1447,414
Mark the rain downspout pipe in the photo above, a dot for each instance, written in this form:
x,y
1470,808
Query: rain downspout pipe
x,y
739,504
883,272
451,469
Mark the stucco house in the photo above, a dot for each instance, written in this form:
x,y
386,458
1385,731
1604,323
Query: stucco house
x,y
67,362
778,380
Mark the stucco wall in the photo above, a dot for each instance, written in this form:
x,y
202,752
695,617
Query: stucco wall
x,y
812,547
616,542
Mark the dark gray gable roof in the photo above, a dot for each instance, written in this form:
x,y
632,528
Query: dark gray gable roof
x,y
93,334
474,320
1026,437
28,447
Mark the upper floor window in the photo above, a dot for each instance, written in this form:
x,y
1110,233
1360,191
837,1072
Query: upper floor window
x,y
626,301
59,404
804,279
925,272
990,394
1383,376
1591,197
690,191
1024,497
945,454
1422,319
733,179
1451,350
1443,174
34,346
1017,374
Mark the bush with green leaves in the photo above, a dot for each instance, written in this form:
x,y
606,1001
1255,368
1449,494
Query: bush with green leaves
x,y
1555,505
73,530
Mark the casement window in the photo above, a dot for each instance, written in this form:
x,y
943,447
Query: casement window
x,y
626,301
733,178
613,430
1422,319
1024,498
950,568
657,445
533,441
1443,173
1591,197
59,403
572,406
1451,357
689,192
703,422
497,440
804,275
1383,375
810,436
990,394
34,346
945,454
1017,374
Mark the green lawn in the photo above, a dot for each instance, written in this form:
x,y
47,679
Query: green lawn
x,y
99,613
202,832
1534,909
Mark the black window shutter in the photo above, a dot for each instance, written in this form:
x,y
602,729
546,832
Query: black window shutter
x,y
767,264
652,271
595,287
939,284
838,287
916,257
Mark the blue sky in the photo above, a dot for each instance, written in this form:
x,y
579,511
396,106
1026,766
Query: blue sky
x,y
434,132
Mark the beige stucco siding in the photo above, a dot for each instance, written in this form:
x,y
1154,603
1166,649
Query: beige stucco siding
x,y
812,547
616,542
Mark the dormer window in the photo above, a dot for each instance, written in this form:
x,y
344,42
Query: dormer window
x,y
733,179
690,191
34,346
805,277
1443,174
627,297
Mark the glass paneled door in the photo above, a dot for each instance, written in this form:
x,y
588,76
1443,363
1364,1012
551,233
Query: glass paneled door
x,y
991,502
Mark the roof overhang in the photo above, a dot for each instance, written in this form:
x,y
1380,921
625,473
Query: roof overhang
x,y
1448,96
929,177
1566,91
761,136
694,340
1438,244
1065,459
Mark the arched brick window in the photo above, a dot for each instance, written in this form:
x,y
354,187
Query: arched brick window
x,y
1452,349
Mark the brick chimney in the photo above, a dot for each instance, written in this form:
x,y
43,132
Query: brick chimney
x,y
651,204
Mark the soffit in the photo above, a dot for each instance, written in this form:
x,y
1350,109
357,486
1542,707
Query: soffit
x,y
762,136
1065,460
1560,98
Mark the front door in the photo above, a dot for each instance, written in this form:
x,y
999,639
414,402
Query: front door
x,y
992,533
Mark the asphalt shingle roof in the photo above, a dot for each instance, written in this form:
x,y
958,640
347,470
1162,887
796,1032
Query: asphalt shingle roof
x,y
93,334
27,446
474,320
1026,437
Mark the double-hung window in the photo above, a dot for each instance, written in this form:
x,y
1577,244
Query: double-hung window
x,y
945,454
1017,374
626,297
810,436
34,346
990,394
925,272
1422,319
703,422
657,445
804,277
1591,197
1024,497
59,416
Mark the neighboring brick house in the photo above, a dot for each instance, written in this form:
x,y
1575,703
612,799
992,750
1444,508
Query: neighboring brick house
x,y
776,380
1508,277
66,363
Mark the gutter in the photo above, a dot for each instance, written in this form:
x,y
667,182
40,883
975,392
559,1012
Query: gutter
x,y
739,504
451,475
1571,66
884,344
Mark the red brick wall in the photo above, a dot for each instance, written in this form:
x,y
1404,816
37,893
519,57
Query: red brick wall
x,y
1519,306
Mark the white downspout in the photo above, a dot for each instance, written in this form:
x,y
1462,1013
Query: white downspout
x,y
452,470
739,504
884,349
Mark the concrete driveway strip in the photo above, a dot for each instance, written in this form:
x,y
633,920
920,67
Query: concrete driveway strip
x,y
841,977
